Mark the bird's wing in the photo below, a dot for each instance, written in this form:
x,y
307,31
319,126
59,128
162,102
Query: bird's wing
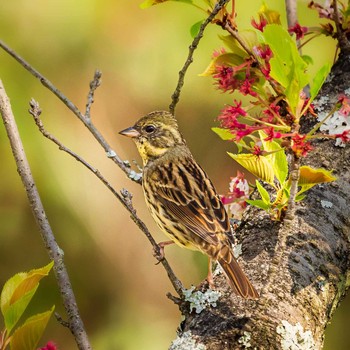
x,y
188,194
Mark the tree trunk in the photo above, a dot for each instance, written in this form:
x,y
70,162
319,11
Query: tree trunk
x,y
301,268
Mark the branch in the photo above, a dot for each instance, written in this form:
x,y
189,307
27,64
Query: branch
x,y
176,95
291,12
55,253
85,119
342,39
94,84
125,198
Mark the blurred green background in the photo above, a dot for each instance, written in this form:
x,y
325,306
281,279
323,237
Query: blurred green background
x,y
120,291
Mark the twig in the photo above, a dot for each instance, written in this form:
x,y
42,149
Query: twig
x,y
292,17
55,253
86,120
294,177
291,12
94,84
342,39
176,95
124,198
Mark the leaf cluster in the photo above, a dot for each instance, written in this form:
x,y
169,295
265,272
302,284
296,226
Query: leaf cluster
x,y
16,294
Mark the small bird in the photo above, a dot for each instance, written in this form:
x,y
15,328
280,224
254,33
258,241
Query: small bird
x,y
182,199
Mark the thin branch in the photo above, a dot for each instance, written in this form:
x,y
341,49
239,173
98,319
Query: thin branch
x,y
86,120
291,12
292,17
55,253
125,198
342,39
176,95
94,84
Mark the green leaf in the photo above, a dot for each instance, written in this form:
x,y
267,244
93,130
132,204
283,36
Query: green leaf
x,y
223,133
263,193
318,80
250,38
278,158
287,66
259,166
258,203
149,3
17,293
233,45
309,177
29,334
270,15
300,197
194,30
307,59
228,59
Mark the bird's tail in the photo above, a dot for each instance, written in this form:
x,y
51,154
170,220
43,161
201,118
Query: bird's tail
x,y
239,282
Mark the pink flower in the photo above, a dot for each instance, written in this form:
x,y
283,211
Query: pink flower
x,y
246,87
239,134
261,25
229,115
272,134
257,151
345,105
238,193
323,11
344,136
218,53
266,70
49,346
263,52
300,146
271,112
225,78
298,30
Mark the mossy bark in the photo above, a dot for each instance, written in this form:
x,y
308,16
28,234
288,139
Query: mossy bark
x,y
301,269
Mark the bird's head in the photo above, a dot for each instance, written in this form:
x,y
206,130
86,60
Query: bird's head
x,y
155,134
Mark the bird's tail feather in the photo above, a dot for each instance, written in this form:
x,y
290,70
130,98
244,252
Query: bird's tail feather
x,y
239,282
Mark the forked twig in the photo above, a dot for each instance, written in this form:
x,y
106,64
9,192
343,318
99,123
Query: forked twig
x,y
85,119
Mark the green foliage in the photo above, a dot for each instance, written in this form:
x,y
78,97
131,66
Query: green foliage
x,y
318,80
260,166
195,28
287,66
309,177
27,336
272,168
223,133
15,297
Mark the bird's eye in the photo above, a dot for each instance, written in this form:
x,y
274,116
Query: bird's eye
x,y
150,129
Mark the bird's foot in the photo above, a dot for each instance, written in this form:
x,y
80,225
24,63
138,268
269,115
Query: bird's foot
x,y
159,253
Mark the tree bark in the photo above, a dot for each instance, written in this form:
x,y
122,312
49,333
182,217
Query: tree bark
x,y
301,268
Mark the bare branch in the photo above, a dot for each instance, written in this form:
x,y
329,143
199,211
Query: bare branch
x,y
94,84
86,120
176,95
55,253
125,198
342,39
291,11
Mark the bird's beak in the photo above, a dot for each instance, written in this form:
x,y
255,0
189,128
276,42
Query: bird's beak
x,y
130,132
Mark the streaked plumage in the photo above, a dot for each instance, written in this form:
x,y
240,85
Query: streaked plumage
x,y
181,197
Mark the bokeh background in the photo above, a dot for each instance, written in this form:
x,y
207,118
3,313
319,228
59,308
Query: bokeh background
x,y
120,290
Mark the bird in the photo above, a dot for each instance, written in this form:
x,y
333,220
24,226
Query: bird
x,y
182,199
